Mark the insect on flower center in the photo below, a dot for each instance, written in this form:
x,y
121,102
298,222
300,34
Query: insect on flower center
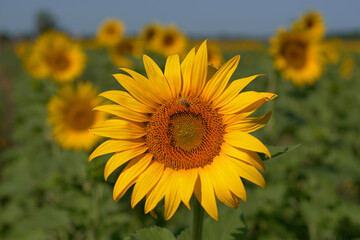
x,y
185,133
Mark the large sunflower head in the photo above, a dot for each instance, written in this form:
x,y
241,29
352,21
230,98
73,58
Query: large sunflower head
x,y
61,59
312,22
297,56
172,41
70,113
180,134
110,32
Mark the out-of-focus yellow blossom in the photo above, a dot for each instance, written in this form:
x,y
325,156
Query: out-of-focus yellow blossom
x,y
110,32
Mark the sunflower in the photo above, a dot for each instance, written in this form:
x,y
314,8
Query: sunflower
x,y
172,41
57,57
214,55
181,134
297,56
347,67
110,32
70,114
126,47
151,36
313,23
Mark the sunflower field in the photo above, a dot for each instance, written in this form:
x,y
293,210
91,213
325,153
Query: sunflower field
x,y
61,134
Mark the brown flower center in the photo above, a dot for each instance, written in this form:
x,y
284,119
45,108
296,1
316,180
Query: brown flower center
x,y
310,22
111,30
169,40
185,133
294,51
124,47
79,116
58,61
149,35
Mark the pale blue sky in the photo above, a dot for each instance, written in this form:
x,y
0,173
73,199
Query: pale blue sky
x,y
195,17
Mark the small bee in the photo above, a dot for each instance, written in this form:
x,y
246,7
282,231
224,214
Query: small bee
x,y
184,102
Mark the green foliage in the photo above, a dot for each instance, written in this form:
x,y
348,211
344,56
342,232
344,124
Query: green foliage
x,y
152,233
230,226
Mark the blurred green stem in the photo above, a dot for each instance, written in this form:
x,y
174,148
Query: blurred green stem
x,y
198,217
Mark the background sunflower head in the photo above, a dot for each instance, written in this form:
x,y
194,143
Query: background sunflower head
x,y
110,32
56,56
312,22
70,114
297,56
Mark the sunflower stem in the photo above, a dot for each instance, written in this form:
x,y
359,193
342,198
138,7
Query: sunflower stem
x,y
198,217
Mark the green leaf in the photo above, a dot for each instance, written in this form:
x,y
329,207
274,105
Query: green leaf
x,y
276,151
151,234
231,226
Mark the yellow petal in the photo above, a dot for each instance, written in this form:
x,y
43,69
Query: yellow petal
x,y
246,141
145,84
218,82
199,71
249,124
126,100
153,214
130,174
172,196
186,69
222,190
207,200
231,177
247,171
158,192
246,101
244,155
146,182
118,129
157,78
232,91
123,112
114,145
173,74
135,90
120,158
187,179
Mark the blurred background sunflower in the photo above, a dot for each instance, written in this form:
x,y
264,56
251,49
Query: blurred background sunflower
x,y
71,115
56,56
297,56
110,32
